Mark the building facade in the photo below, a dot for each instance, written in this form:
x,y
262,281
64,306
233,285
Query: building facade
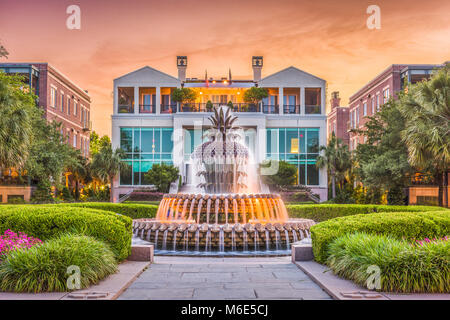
x,y
337,119
62,101
290,124
368,100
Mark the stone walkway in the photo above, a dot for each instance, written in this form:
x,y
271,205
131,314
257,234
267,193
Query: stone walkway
x,y
191,278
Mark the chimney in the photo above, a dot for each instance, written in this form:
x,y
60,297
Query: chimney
x,y
257,64
182,65
335,100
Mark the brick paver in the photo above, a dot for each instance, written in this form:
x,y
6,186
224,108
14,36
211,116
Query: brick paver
x,y
194,278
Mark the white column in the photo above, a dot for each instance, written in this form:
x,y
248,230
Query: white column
x,y
302,100
158,100
280,100
136,100
323,100
116,99
260,143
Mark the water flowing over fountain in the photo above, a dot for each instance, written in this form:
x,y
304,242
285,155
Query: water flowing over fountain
x,y
232,215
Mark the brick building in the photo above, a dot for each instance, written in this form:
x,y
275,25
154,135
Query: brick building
x,y
62,101
60,98
337,119
368,100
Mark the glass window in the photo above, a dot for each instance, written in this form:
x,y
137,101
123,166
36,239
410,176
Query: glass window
x,y
292,142
125,99
145,166
313,141
167,143
136,172
125,174
312,174
126,139
53,97
302,173
156,141
137,140
365,108
147,140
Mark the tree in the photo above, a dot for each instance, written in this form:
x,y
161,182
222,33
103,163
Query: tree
x,y
426,108
254,95
337,159
285,176
106,164
49,155
184,95
17,110
382,162
80,169
95,142
162,175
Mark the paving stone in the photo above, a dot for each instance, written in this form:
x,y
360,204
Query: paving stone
x,y
304,284
274,293
219,293
219,276
156,294
294,275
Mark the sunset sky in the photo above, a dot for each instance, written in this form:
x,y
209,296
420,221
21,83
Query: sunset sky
x,y
327,38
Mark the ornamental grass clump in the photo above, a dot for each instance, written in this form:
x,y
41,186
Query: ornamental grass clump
x,y
44,268
404,267
10,241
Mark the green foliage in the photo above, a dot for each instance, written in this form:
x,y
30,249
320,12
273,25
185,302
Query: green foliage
x,y
383,161
254,95
17,110
418,225
43,193
337,159
184,95
209,106
95,142
134,211
106,164
162,175
3,52
44,268
66,195
49,155
323,212
403,267
230,104
50,221
426,109
285,176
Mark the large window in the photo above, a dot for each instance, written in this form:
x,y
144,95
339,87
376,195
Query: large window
x,y
312,101
144,147
299,146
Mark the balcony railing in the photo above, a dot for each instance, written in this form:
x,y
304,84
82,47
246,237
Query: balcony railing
x,y
209,107
87,125
270,108
168,108
147,108
126,108
291,109
311,109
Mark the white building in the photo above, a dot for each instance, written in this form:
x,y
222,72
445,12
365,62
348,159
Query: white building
x,y
288,125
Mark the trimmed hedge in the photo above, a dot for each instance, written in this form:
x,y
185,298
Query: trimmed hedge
x,y
323,212
43,268
404,267
398,225
134,211
49,221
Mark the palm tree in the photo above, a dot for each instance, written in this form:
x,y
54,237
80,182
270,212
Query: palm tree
x,y
337,159
426,108
106,164
79,167
17,108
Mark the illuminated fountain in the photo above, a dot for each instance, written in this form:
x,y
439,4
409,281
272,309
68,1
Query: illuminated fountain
x,y
229,216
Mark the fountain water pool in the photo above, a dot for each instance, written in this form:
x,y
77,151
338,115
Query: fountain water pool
x,y
231,216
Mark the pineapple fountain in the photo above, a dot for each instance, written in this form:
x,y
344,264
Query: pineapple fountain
x,y
229,217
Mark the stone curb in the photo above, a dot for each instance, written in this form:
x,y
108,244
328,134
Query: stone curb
x,y
342,289
108,289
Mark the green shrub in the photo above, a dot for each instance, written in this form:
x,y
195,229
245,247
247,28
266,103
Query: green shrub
x,y
399,225
403,267
43,268
134,211
49,221
323,212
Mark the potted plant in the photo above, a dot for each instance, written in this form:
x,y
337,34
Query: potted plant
x,y
184,96
254,96
209,106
